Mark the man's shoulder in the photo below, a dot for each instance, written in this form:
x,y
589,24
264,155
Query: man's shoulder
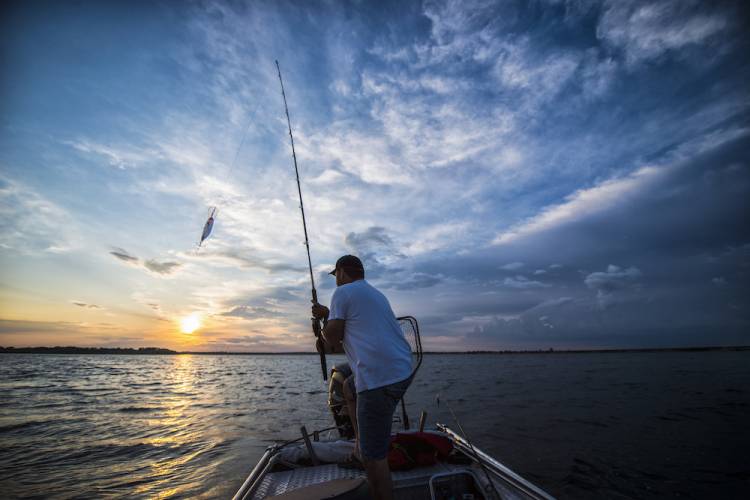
x,y
359,287
356,290
364,292
340,292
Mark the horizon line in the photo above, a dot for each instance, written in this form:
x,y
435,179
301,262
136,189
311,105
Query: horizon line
x,y
169,352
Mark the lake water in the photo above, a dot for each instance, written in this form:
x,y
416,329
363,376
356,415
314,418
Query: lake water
x,y
605,425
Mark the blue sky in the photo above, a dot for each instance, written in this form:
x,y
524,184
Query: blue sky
x,y
516,175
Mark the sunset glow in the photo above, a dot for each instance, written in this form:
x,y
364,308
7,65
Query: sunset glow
x,y
190,323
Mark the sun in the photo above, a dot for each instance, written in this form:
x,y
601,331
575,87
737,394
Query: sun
x,y
189,324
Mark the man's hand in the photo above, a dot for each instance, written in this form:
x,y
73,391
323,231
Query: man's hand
x,y
319,311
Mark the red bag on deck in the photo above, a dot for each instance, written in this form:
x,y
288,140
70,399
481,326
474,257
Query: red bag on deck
x,y
416,449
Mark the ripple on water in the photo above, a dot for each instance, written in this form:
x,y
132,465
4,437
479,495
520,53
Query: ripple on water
x,y
193,426
137,409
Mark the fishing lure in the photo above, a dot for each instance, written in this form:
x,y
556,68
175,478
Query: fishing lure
x,y
208,226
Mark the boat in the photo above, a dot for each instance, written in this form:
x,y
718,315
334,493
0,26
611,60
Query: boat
x,y
432,464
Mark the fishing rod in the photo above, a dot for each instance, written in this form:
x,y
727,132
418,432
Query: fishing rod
x,y
316,326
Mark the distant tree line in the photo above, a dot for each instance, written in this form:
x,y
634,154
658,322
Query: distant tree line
x,y
86,350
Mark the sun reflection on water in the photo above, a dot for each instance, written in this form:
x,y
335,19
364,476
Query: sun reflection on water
x,y
176,427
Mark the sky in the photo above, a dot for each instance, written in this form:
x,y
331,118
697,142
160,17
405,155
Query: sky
x,y
515,174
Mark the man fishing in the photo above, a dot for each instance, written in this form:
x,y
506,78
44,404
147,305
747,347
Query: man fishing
x,y
362,320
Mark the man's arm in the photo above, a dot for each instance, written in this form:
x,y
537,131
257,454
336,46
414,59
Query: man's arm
x,y
333,333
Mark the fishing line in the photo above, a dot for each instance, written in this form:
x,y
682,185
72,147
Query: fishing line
x,y
212,210
466,436
239,148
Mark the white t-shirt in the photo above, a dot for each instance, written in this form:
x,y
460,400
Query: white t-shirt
x,y
374,344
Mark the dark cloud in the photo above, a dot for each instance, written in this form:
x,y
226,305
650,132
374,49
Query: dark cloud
x,y
371,237
161,267
88,306
377,250
413,282
523,283
671,256
253,340
123,255
165,268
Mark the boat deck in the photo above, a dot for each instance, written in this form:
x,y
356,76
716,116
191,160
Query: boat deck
x,y
408,485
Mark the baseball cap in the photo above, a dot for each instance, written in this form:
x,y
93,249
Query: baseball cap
x,y
348,261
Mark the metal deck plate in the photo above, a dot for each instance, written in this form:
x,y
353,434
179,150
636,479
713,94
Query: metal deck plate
x,y
276,483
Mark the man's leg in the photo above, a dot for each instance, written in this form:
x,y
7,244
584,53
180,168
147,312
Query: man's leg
x,y
375,409
379,479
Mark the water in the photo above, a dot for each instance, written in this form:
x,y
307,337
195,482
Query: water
x,y
616,425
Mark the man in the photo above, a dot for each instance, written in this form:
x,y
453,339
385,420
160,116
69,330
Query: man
x,y
362,320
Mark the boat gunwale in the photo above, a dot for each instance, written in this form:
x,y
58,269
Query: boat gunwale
x,y
499,471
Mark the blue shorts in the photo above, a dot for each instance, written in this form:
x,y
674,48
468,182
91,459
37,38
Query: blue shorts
x,y
375,409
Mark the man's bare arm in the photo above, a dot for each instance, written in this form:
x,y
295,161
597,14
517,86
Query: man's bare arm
x,y
333,333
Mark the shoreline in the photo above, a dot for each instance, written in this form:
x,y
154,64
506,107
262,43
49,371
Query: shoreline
x,y
156,351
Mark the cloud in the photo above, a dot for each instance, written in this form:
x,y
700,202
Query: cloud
x,y
523,283
123,255
249,312
512,266
30,223
251,340
413,282
608,282
9,326
676,233
328,177
376,248
372,237
360,154
229,257
164,268
443,235
646,30
719,281
85,305
597,74
122,157
544,320
542,78
153,266
583,203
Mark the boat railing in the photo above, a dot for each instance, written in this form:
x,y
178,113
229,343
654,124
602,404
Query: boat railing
x,y
498,469
257,473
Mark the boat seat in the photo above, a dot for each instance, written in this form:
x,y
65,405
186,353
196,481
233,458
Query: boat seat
x,y
337,489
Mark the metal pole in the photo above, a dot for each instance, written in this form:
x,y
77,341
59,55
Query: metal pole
x,y
422,420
